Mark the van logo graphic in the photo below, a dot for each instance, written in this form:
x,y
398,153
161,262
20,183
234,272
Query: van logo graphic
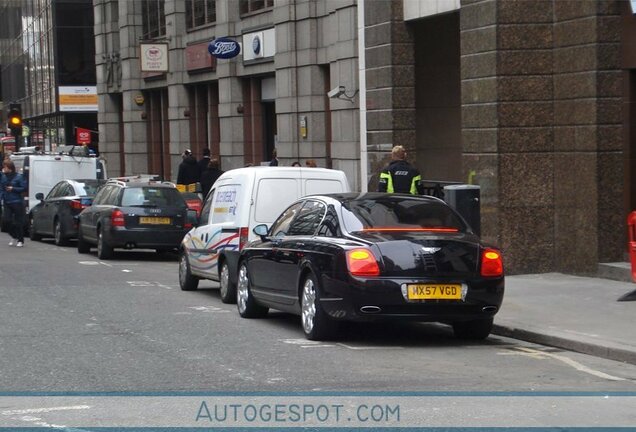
x,y
429,250
224,48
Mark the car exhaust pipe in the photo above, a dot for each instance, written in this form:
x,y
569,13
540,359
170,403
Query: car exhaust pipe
x,y
489,309
370,309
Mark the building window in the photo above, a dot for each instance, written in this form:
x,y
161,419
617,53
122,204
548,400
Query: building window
x,y
153,18
200,13
247,6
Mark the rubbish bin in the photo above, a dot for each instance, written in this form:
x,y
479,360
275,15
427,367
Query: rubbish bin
x,y
631,227
465,200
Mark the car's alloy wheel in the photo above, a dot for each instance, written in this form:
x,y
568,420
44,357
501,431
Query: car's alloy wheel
x,y
228,289
32,234
104,250
473,330
187,282
245,303
60,240
316,324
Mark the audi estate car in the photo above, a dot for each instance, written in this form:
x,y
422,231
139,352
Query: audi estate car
x,y
57,215
134,214
371,256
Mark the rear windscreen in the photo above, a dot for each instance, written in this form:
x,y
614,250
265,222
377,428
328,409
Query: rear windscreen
x,y
400,214
152,197
89,188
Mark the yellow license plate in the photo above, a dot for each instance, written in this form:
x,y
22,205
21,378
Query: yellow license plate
x,y
435,292
155,220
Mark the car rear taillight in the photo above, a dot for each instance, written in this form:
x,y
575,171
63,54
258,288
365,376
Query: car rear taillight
x,y
243,236
361,262
194,204
78,205
491,263
117,218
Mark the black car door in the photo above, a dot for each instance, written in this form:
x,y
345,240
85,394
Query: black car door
x,y
60,205
43,217
266,281
296,245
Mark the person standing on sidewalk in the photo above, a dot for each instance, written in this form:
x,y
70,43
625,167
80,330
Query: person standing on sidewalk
x,y
400,176
11,187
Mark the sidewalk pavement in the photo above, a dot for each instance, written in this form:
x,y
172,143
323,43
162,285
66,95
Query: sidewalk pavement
x,y
576,313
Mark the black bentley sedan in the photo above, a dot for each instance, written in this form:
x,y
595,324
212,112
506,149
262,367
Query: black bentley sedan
x,y
56,215
134,214
357,257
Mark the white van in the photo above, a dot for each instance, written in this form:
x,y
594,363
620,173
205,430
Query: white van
x,y
43,171
239,200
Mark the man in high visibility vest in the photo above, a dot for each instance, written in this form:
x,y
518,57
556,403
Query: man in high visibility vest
x,y
400,176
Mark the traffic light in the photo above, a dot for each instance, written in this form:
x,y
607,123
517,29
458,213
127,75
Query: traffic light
x,y
15,120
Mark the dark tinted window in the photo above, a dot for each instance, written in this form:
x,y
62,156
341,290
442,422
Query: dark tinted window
x,y
330,226
101,194
205,212
399,213
113,196
148,196
281,226
55,192
308,219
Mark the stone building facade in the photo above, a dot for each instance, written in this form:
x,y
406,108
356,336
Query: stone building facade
x,y
528,99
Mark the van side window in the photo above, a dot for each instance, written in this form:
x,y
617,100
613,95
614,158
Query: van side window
x,y
281,226
330,227
205,212
308,219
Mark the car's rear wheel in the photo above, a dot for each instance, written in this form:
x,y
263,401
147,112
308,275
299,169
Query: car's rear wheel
x,y
104,250
316,323
82,246
228,289
187,281
34,236
245,302
473,330
58,234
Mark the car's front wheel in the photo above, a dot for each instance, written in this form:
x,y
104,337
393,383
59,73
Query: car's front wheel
x,y
316,323
228,289
33,235
187,281
245,302
473,330
104,250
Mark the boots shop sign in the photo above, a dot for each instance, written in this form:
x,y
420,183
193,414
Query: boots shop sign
x,y
224,48
154,57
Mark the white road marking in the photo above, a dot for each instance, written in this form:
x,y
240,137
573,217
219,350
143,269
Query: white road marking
x,y
106,264
576,365
126,271
207,309
45,410
147,283
369,347
89,262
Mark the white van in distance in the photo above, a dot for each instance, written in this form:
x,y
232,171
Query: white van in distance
x,y
239,200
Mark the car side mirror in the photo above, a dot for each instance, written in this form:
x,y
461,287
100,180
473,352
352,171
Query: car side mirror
x,y
192,218
261,231
39,196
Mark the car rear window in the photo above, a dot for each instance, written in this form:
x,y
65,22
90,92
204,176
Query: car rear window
x,y
400,214
152,197
89,188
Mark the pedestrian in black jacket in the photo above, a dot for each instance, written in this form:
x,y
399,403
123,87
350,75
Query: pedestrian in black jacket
x,y
11,187
400,176
209,176
188,169
205,160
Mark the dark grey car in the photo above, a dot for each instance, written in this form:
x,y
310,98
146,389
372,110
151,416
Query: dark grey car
x,y
147,215
57,215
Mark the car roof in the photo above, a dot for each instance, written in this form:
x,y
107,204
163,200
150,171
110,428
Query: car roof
x,y
354,196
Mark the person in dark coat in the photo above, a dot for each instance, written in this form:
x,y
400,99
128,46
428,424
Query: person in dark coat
x,y
188,169
400,176
12,185
274,161
209,176
205,160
